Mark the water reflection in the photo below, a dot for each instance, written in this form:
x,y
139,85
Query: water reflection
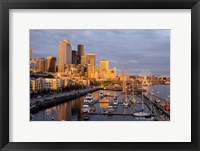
x,y
104,103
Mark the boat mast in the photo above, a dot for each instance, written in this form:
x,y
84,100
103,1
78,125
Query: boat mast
x,y
124,85
124,82
133,90
142,101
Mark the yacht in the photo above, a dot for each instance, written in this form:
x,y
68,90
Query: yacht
x,y
89,98
125,102
115,101
101,94
157,101
110,109
85,108
141,113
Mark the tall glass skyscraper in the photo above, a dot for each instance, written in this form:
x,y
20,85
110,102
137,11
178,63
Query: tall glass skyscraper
x,y
64,54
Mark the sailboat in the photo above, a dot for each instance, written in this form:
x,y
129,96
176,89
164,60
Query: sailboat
x,y
141,113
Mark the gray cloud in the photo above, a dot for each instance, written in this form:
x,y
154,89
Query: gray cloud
x,y
137,51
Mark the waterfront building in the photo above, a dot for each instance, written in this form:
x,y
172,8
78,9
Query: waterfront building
x,y
74,57
40,84
64,54
80,53
51,64
31,55
40,65
32,85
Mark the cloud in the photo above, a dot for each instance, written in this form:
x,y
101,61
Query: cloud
x,y
113,61
133,61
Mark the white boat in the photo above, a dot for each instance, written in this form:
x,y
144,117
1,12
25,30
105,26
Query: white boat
x,y
142,114
85,108
89,98
101,94
115,101
125,102
110,109
157,101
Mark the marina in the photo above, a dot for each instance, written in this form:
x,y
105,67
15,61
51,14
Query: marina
x,y
105,108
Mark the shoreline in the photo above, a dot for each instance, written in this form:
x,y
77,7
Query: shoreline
x,y
60,98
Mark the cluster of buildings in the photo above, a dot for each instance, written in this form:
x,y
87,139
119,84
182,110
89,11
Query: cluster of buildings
x,y
72,66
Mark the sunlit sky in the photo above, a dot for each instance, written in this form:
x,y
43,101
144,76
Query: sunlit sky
x,y
137,51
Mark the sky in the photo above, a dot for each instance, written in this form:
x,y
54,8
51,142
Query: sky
x,y
137,51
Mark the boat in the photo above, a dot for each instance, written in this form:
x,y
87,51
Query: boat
x,y
115,101
86,108
101,94
142,114
110,109
125,102
157,101
89,98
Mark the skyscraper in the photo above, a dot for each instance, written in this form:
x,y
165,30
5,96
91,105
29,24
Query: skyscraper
x,y
51,64
74,57
80,53
88,59
40,65
104,69
64,54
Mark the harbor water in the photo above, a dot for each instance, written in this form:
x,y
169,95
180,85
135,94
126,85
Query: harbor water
x,y
71,110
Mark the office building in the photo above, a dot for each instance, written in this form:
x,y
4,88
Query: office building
x,y
40,65
64,54
104,68
88,59
51,64
80,53
74,57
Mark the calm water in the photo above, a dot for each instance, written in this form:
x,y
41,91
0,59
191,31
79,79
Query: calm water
x,y
71,110
163,91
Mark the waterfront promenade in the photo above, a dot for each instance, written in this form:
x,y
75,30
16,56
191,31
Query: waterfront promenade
x,y
54,99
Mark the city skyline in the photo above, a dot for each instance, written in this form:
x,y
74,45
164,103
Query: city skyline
x,y
138,51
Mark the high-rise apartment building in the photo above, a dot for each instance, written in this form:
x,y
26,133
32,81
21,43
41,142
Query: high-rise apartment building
x,y
80,53
40,65
104,69
64,54
74,57
51,64
88,59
